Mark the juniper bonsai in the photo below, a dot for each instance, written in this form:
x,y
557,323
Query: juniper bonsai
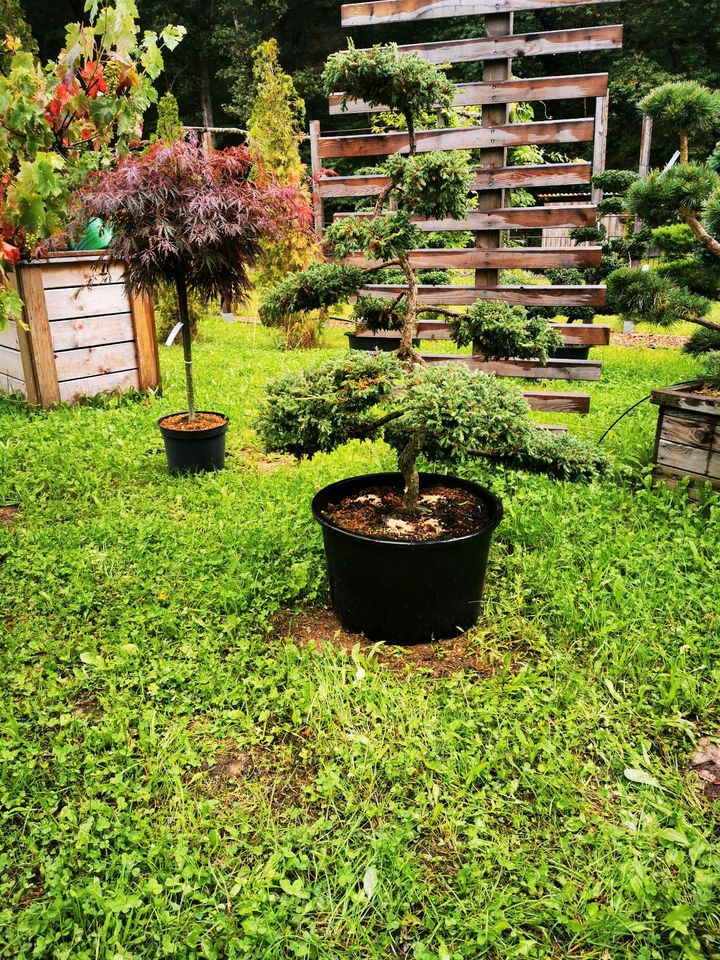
x,y
443,413
434,186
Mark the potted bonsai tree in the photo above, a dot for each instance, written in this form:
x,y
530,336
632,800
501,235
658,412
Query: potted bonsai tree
x,y
433,185
197,221
683,205
407,552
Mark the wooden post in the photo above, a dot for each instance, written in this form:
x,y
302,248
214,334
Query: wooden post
x,y
26,358
316,168
32,292
496,25
645,146
148,361
602,111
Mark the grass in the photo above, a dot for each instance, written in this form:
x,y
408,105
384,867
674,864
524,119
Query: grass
x,y
176,780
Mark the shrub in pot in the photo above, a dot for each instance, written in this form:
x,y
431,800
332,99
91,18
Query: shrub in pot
x,y
407,551
197,221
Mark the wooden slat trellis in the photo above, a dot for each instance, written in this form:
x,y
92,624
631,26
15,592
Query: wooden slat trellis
x,y
493,180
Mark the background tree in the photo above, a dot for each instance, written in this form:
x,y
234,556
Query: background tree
x,y
685,201
276,128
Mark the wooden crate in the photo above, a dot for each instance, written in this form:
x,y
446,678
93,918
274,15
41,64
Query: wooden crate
x,y
84,333
688,435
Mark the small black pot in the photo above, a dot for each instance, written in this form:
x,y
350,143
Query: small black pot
x,y
405,593
194,451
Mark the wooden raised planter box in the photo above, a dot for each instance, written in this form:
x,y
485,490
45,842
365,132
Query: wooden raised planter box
x,y
85,334
688,435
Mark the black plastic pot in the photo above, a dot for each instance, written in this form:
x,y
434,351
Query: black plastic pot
x,y
378,342
405,593
571,353
194,451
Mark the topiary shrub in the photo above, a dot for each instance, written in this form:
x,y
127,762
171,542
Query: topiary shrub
x,y
499,330
674,241
444,413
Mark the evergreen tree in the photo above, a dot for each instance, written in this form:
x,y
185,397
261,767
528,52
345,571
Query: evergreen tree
x,y
275,132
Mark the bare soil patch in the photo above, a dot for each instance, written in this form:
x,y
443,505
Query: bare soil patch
x,y
9,514
319,628
272,767
705,764
378,512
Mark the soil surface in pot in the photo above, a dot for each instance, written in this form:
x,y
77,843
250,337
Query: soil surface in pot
x,y
203,421
378,512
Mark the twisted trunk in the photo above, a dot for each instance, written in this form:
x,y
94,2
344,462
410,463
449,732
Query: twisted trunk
x,y
708,241
407,462
406,351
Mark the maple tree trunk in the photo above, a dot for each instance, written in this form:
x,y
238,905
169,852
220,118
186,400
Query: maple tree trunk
x,y
181,286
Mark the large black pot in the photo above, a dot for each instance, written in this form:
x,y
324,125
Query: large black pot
x,y
571,353
194,451
377,342
404,593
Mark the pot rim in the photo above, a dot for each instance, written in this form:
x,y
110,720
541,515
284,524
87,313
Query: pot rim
x,y
205,434
497,510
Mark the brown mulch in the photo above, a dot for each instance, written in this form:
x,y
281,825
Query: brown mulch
x,y
651,341
378,512
705,764
203,421
319,628
9,514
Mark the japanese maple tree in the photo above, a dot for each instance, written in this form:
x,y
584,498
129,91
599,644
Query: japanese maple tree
x,y
192,219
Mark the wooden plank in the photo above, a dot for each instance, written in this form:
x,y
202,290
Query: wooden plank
x,y
695,460
691,429
602,117
316,169
493,156
39,336
22,340
11,385
504,258
378,12
683,396
65,303
552,427
73,390
95,361
65,273
528,369
671,476
645,146
591,334
541,44
535,175
92,331
11,363
542,401
572,87
510,218
146,346
560,296
9,337
460,138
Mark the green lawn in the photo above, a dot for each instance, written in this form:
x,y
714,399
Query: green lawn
x,y
176,781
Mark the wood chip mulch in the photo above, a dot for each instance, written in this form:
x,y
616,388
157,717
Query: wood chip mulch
x,y
318,627
650,341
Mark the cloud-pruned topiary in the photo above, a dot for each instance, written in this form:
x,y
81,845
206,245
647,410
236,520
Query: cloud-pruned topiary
x,y
498,330
444,413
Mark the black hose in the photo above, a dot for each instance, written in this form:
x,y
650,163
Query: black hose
x,y
622,417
